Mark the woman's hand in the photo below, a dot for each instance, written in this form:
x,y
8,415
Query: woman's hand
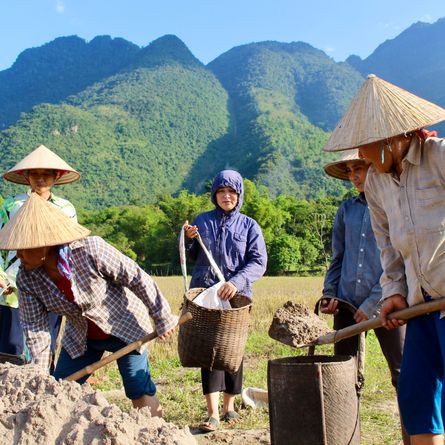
x,y
329,306
167,334
227,291
7,289
360,316
395,302
190,231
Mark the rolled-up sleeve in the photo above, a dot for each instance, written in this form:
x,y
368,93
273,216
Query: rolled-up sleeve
x,y
35,324
393,279
121,269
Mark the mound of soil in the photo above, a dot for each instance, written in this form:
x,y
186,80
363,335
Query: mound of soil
x,y
295,325
35,408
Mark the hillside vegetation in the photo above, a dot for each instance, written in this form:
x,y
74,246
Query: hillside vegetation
x,y
144,122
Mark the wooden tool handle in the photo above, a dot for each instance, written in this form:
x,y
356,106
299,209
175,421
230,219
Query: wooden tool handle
x,y
121,352
363,326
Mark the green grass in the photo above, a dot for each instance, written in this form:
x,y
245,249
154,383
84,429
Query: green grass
x,y
179,389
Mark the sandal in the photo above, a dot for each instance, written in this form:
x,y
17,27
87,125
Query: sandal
x,y
231,417
209,424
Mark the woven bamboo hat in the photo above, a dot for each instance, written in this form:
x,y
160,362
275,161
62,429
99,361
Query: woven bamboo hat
x,y
42,157
39,224
381,110
337,169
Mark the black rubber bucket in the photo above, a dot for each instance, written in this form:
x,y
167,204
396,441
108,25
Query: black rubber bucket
x,y
313,401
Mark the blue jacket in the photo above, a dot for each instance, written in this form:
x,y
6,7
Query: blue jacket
x,y
234,240
355,269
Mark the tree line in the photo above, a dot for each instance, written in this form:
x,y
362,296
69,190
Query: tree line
x,y
297,231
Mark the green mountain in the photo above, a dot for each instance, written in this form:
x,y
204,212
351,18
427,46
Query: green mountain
x,y
141,122
134,135
413,60
159,120
58,69
283,100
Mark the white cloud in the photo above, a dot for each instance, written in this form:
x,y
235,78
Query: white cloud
x,y
329,49
60,6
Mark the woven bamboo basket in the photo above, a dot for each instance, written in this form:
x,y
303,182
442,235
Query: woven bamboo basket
x,y
214,338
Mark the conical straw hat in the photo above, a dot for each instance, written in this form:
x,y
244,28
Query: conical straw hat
x,y
42,157
337,169
39,224
381,110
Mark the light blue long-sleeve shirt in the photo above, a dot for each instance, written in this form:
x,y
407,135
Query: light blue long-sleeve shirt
x,y
355,269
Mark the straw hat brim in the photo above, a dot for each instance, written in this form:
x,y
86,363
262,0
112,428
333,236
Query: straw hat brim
x,y
39,224
19,178
338,169
379,111
42,158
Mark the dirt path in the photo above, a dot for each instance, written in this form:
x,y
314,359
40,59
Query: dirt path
x,y
234,437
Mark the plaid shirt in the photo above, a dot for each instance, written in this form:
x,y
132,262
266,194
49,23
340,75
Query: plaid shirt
x,y
109,289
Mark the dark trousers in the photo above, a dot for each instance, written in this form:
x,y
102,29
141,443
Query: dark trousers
x,y
12,339
391,342
216,381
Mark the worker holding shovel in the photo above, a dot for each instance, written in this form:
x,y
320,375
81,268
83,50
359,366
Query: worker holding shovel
x,y
352,292
405,190
106,297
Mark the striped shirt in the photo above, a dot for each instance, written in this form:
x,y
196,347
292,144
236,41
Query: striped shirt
x,y
109,289
9,263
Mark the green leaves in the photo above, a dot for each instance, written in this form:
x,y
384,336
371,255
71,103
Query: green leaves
x,y
297,232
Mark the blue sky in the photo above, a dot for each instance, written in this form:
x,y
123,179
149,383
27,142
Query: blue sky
x,y
211,27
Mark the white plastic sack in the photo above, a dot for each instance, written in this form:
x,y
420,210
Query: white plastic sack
x,y
209,298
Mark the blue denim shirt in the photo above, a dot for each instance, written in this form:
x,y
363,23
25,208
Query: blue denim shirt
x,y
355,269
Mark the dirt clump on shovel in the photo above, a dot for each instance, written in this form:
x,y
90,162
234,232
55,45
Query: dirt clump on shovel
x,y
37,409
295,325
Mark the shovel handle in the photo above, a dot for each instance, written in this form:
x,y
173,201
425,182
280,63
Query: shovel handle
x,y
121,352
363,326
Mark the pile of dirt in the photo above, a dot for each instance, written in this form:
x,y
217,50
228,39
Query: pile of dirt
x,y
35,408
295,325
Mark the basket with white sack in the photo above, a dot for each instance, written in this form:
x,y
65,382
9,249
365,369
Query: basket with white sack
x,y
215,337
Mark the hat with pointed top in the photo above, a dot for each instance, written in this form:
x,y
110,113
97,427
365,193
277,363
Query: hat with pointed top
x,y
42,157
381,110
39,224
337,169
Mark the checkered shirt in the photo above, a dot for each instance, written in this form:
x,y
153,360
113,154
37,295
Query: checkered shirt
x,y
109,289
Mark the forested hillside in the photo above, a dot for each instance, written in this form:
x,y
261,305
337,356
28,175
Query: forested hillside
x,y
144,122
413,60
133,136
283,100
58,69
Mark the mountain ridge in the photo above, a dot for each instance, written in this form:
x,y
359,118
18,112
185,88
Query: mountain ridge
x,y
142,122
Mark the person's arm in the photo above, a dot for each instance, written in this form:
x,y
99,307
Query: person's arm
x,y
370,305
256,259
393,280
7,282
191,245
124,271
35,324
333,274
